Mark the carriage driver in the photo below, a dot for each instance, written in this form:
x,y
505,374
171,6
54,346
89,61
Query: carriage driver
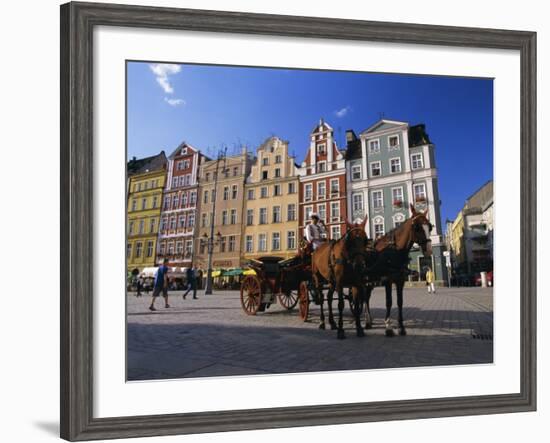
x,y
315,231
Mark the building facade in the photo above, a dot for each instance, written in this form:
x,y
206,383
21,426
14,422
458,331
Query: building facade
x,y
390,166
323,182
179,207
146,181
228,192
271,203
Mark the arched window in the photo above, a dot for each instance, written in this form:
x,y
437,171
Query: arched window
x,y
378,226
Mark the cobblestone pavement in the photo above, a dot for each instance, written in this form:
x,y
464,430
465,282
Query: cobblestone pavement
x,y
212,336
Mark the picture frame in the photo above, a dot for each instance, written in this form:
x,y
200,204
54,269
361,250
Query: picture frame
x,y
77,218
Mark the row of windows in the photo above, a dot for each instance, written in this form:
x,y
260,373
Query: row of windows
x,y
144,203
321,189
278,159
417,162
141,226
167,248
226,173
176,201
419,194
183,164
322,211
276,215
261,245
181,180
393,144
277,191
226,243
378,226
138,249
144,185
181,222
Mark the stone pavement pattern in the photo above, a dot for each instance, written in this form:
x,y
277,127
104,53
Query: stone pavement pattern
x,y
212,336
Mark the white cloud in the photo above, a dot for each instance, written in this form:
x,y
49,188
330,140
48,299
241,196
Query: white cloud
x,y
174,101
162,73
342,112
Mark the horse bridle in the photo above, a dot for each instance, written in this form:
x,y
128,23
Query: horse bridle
x,y
414,239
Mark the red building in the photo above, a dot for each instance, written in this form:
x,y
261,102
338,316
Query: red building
x,y
179,207
323,182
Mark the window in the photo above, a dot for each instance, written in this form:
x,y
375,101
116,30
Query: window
x,y
233,216
278,159
375,169
234,191
204,220
277,190
181,221
181,180
141,226
277,173
321,190
292,188
335,233
378,227
184,151
263,216
291,212
179,247
223,242
213,196
175,201
334,186
202,246
398,220
155,201
307,212
187,179
231,245
357,202
128,250
186,164
205,200
393,142
173,223
175,182
322,210
139,186
184,199
397,197
250,194
276,214
191,220
224,217
377,199
321,166
226,192
275,241
263,192
163,224
335,211
235,171
321,149
139,248
249,243
395,165
144,203
188,247
134,204
264,175
179,165
356,172
207,177
193,198
265,161
162,248
249,217
374,146
152,225
262,242
131,227
291,240
416,161
419,192
309,192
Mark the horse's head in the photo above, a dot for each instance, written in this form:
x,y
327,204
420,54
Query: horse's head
x,y
355,244
421,230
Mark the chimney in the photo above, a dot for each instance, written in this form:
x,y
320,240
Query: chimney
x,y
350,136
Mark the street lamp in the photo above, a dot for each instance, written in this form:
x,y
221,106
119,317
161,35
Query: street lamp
x,y
211,242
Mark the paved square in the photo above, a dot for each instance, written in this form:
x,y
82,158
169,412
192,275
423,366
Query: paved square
x,y
212,336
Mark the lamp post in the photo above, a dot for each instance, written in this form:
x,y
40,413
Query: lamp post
x,y
210,238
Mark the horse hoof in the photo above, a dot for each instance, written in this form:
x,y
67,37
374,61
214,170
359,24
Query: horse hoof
x,y
402,331
389,333
322,326
333,326
341,334
368,326
360,333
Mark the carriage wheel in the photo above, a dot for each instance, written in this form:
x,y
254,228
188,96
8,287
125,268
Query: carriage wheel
x,y
303,296
251,294
288,299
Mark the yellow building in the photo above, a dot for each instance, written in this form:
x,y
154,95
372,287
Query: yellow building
x,y
456,240
271,203
146,180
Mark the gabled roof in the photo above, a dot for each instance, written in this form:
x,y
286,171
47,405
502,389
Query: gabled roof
x,y
147,164
182,145
322,126
380,123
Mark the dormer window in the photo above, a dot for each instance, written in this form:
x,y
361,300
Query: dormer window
x,y
321,149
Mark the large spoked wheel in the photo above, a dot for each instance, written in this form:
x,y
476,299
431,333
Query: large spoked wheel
x,y
251,294
288,299
303,296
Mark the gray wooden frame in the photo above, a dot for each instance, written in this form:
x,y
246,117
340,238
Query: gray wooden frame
x,y
77,24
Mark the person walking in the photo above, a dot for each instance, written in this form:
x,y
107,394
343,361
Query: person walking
x,y
138,287
192,275
430,280
161,285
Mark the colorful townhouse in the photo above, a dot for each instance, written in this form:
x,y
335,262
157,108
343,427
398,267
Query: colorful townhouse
x,y
222,181
323,182
146,181
271,203
179,207
389,166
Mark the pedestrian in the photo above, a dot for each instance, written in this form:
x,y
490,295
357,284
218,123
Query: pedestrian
x,y
430,281
161,285
138,286
191,274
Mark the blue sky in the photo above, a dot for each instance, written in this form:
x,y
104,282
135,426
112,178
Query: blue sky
x,y
213,106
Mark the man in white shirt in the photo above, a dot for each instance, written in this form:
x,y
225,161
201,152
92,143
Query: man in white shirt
x,y
315,232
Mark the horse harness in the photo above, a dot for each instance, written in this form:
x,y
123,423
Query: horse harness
x,y
333,260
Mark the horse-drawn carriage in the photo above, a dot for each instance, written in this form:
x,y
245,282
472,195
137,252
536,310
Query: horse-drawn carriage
x,y
276,280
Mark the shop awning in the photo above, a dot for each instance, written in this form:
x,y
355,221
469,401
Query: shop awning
x,y
249,272
216,273
232,272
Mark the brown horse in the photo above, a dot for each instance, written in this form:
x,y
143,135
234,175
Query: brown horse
x,y
342,264
391,265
